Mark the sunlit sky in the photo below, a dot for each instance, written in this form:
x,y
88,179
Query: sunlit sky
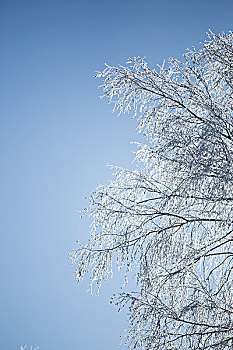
x,y
56,137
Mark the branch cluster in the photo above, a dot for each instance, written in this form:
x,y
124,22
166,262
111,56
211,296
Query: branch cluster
x,y
170,220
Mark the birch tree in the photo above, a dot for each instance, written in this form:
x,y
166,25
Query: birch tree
x,y
169,222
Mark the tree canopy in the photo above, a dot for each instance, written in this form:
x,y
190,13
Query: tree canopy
x,y
169,221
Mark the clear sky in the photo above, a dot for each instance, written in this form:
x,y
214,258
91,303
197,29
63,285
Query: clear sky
x,y
56,137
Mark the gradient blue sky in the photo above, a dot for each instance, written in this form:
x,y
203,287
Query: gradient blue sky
x,y
56,137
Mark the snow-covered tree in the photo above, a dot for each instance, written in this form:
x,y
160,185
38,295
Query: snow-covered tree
x,y
170,221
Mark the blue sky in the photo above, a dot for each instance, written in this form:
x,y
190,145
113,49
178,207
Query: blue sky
x,y
56,137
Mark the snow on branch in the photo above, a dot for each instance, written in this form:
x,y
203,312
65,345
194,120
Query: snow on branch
x,y
170,220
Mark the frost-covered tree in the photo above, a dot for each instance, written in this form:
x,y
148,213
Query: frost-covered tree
x,y
170,221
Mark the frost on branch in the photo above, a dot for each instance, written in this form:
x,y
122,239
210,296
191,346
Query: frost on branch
x,y
170,220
